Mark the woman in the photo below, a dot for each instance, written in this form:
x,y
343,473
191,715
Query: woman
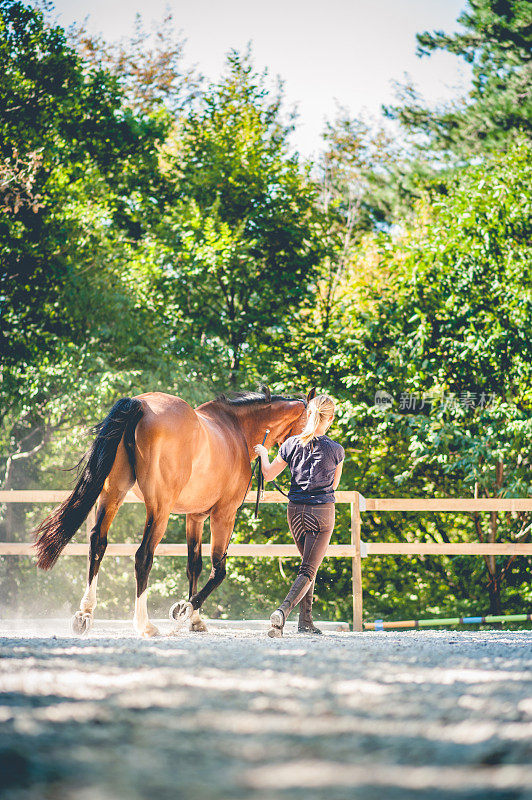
x,y
316,463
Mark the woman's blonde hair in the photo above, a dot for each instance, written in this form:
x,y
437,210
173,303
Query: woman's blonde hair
x,y
319,408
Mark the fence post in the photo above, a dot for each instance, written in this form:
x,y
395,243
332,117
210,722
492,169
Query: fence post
x,y
356,564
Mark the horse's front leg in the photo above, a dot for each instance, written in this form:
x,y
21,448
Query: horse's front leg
x,y
154,530
222,524
195,524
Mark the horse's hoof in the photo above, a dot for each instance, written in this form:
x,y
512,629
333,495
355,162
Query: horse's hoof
x,y
198,625
150,631
181,612
275,633
82,622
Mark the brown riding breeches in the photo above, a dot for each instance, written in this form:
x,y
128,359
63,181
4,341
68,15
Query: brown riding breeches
x,y
312,527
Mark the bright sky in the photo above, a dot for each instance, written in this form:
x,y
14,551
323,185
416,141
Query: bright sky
x,y
350,51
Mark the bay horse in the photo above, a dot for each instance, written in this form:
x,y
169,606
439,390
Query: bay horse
x,y
178,459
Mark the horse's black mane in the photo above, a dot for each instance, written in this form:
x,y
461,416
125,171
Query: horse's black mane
x,y
251,398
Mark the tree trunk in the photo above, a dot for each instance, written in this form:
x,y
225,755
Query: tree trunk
x,y
494,591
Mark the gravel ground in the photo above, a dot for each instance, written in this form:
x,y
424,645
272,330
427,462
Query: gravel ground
x,y
232,714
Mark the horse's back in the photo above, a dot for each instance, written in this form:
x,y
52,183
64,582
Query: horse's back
x,y
184,456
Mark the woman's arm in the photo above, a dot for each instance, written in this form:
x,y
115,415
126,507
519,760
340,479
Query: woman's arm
x,y
337,475
270,471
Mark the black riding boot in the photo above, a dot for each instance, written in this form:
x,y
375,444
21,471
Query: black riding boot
x,y
298,589
306,624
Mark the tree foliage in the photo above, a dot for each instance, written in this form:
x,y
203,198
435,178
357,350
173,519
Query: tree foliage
x,y
242,239
451,345
496,39
148,65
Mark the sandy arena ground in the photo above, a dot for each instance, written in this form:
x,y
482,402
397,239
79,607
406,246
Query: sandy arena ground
x,y
232,714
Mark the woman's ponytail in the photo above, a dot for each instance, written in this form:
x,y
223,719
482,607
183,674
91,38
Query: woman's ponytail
x,y
319,408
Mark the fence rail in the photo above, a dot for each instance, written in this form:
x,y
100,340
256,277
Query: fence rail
x,y
357,550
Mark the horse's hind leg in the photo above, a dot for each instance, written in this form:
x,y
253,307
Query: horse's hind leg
x,y
117,484
108,505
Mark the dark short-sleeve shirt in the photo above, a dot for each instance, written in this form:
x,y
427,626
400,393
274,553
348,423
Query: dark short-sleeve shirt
x,y
312,466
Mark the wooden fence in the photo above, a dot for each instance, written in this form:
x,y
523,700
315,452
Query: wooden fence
x,y
356,550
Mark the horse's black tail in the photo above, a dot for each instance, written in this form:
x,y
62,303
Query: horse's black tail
x,y
59,528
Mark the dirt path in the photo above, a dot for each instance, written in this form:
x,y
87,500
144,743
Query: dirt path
x,y
232,714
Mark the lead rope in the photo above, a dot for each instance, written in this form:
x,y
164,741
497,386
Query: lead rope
x,y
279,489
260,485
260,479
260,488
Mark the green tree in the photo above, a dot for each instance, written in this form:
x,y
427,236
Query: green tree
x,y
242,243
368,172
84,147
74,165
148,65
453,338
496,39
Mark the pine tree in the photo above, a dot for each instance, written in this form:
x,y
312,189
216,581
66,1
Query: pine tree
x,y
496,40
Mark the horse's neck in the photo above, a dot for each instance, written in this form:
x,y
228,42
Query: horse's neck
x,y
254,425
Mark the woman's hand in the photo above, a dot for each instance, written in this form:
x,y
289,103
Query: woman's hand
x,y
269,471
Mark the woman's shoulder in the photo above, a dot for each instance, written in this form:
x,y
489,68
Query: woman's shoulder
x,y
335,446
288,446
291,441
